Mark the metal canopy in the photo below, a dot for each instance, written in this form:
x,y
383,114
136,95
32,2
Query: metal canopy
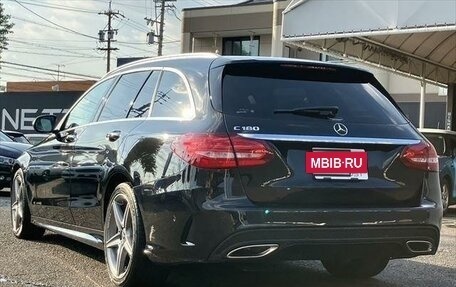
x,y
416,38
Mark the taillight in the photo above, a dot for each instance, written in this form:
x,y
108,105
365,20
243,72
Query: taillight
x,y
215,151
420,156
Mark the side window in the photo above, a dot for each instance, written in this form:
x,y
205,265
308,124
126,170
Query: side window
x,y
122,96
141,106
84,112
172,99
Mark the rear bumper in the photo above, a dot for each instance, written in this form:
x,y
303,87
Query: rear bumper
x,y
318,243
176,234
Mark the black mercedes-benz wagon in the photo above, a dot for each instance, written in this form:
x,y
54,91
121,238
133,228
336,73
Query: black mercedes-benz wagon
x,y
204,158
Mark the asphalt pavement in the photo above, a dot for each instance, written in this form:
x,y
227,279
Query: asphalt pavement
x,y
58,261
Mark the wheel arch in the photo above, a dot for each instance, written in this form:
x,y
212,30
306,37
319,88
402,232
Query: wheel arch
x,y
14,169
448,178
115,177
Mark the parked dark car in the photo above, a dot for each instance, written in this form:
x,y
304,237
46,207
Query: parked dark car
x,y
204,158
17,136
445,144
9,152
36,138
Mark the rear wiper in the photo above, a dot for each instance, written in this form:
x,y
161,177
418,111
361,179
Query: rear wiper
x,y
317,112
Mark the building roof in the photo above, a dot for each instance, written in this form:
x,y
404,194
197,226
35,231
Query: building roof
x,y
49,86
244,3
415,38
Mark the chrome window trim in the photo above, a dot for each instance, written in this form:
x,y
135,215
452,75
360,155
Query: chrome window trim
x,y
331,139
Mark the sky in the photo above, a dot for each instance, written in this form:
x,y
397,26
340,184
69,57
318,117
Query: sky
x,y
63,35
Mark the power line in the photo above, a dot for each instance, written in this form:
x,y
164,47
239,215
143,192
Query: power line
x,y
50,54
57,6
49,70
24,76
50,47
49,21
42,73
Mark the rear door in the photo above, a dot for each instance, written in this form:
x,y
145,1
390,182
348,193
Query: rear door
x,y
302,110
97,149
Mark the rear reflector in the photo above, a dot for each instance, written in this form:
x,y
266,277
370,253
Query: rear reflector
x,y
421,156
214,151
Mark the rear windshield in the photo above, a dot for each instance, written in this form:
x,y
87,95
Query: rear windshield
x,y
258,90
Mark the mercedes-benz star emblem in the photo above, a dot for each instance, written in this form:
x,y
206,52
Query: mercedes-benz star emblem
x,y
341,129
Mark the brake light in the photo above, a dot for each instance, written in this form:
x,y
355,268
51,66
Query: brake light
x,y
213,151
421,156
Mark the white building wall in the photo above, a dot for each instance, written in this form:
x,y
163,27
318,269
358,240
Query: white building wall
x,y
207,45
265,45
401,85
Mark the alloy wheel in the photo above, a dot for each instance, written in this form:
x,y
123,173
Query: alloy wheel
x,y
119,237
17,205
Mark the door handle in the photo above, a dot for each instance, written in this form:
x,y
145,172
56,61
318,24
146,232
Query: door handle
x,y
113,136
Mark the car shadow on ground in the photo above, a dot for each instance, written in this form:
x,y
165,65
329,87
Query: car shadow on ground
x,y
298,273
81,248
4,193
302,273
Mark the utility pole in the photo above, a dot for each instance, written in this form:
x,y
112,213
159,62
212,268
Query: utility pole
x,y
162,28
160,5
110,35
58,71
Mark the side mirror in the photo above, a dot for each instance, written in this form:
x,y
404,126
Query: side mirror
x,y
44,124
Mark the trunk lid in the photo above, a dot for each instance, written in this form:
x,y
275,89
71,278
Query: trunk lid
x,y
371,123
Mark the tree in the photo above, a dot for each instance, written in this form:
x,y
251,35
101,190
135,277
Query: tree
x,y
5,28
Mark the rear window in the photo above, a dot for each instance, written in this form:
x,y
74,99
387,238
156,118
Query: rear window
x,y
258,90
4,138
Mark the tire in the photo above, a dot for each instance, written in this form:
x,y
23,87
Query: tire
x,y
20,213
445,191
125,239
364,267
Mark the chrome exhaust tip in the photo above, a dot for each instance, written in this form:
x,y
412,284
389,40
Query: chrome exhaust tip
x,y
419,246
252,251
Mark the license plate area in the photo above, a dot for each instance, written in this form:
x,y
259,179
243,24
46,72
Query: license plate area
x,y
337,164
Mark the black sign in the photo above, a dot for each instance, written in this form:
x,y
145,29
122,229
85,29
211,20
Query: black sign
x,y
123,61
19,109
